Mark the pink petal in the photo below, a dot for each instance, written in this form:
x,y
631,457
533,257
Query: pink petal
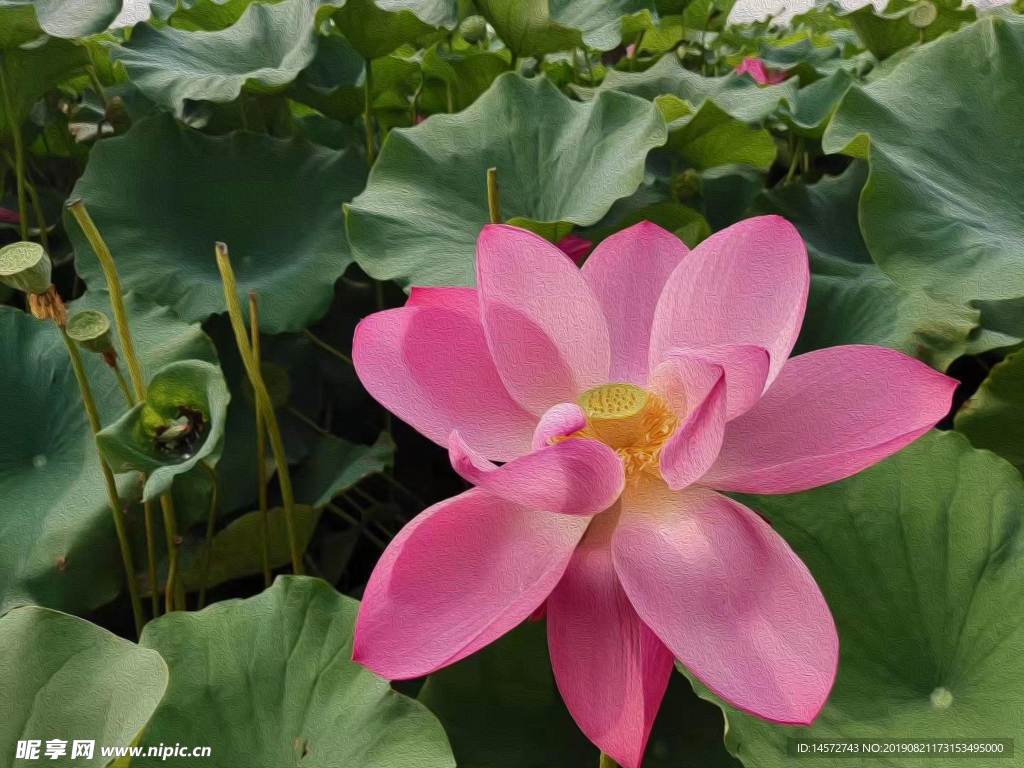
x,y
760,72
9,217
460,575
694,446
469,464
747,366
460,299
558,421
545,328
575,477
830,414
430,366
729,598
611,670
627,273
575,247
744,285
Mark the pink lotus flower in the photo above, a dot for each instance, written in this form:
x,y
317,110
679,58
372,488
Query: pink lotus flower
x,y
623,396
9,217
575,247
756,68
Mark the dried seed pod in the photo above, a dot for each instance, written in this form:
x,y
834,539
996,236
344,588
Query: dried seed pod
x,y
923,14
25,267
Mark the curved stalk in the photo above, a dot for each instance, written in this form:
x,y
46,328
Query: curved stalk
x,y
210,525
108,478
154,586
122,383
19,151
261,443
173,541
326,347
493,196
263,397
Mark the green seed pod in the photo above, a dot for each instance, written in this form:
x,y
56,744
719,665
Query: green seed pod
x,y
91,330
473,29
26,267
923,14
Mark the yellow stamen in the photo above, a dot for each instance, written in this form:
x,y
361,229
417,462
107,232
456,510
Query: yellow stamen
x,y
634,423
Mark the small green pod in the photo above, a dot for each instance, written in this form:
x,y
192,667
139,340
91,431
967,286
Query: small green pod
x,y
90,329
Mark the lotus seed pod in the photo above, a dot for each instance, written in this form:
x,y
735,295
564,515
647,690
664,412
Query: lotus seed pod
x,y
473,29
923,14
26,267
91,330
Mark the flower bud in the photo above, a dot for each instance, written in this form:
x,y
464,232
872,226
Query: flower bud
x,y
26,267
91,330
923,14
473,29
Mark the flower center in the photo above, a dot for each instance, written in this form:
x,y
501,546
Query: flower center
x,y
634,423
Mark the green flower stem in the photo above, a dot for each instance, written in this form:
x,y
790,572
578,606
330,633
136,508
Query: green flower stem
x,y
795,162
123,384
296,413
19,151
261,443
171,531
368,113
493,196
415,103
108,477
326,347
154,587
263,397
607,762
211,524
33,194
636,50
77,208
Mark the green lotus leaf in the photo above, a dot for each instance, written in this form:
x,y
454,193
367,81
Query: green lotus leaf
x,y
377,27
59,548
600,22
334,465
813,105
439,172
851,300
238,668
994,416
899,26
264,51
277,204
921,560
64,678
334,82
935,216
24,20
685,222
462,74
708,136
31,70
528,27
501,707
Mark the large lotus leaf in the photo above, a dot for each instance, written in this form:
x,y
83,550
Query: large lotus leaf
x,y
64,678
178,425
921,560
708,136
23,20
938,213
887,33
334,82
377,27
464,74
813,106
501,707
438,170
58,546
994,416
599,21
265,50
269,682
528,27
31,70
851,300
277,204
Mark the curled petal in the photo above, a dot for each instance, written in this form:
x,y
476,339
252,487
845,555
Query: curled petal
x,y
611,669
729,598
469,464
745,285
459,576
627,273
574,477
830,414
558,421
430,366
694,446
544,327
